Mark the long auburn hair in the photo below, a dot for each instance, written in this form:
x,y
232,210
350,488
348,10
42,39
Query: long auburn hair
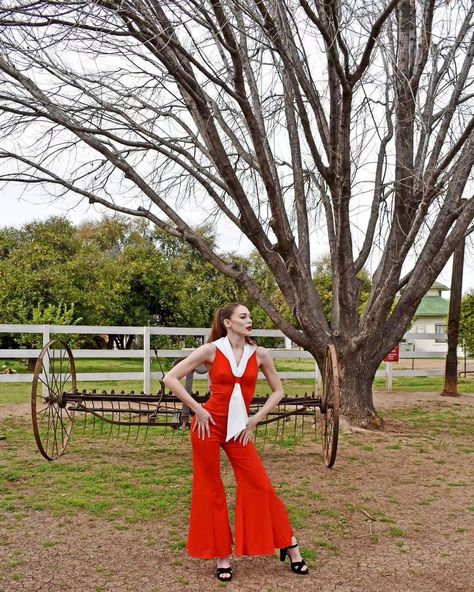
x,y
218,329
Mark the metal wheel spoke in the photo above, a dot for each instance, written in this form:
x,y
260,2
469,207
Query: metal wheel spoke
x,y
46,384
52,375
59,417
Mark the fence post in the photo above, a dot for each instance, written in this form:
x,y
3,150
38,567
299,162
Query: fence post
x,y
46,339
146,361
388,376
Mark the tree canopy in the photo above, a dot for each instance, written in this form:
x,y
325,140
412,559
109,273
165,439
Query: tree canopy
x,y
111,272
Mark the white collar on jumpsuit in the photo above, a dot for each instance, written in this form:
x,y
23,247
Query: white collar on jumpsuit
x,y
237,417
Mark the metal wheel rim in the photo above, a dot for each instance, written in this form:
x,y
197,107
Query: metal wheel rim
x,y
51,418
330,406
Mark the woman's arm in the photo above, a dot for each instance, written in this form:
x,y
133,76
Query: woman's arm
x,y
201,355
268,368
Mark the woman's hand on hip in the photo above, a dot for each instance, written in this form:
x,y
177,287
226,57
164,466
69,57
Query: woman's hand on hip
x,y
246,435
203,418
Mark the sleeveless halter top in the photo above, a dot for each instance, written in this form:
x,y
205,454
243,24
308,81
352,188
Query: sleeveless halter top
x,y
232,385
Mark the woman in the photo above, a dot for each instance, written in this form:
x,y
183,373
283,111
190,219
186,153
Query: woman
x,y
261,520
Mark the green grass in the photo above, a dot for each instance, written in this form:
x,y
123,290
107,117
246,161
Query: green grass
x,y
456,421
432,384
396,532
100,365
328,546
298,515
101,482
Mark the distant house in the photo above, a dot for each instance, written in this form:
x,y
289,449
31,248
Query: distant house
x,y
431,317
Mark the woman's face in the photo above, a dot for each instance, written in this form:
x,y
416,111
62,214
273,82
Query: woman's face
x,y
240,321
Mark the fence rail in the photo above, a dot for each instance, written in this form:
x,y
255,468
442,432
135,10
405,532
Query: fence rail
x,y
146,353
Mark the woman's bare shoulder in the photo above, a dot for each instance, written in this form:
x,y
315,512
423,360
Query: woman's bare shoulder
x,y
263,355
207,351
204,354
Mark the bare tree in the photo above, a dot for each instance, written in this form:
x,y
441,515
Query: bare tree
x,y
303,122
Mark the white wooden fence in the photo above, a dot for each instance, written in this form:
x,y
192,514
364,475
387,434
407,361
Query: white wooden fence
x,y
146,354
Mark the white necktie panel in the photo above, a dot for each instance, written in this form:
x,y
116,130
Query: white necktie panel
x,y
237,417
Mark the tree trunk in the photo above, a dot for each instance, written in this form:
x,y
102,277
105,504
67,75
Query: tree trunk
x,y
356,377
451,371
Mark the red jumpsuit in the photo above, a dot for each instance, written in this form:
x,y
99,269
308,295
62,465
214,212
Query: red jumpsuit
x,y
261,520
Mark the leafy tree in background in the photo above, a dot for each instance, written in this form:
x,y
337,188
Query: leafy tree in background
x,y
31,268
466,327
111,272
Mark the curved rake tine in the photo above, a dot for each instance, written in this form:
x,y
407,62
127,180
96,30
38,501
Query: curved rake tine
x,y
139,410
170,431
137,431
84,423
101,423
257,431
129,420
116,416
111,424
144,425
119,408
96,422
176,413
265,436
147,427
184,432
302,425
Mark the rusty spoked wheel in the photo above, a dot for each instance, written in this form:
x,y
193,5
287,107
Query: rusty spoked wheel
x,y
330,403
53,378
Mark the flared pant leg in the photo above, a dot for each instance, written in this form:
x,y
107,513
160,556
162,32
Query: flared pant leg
x,y
261,520
209,530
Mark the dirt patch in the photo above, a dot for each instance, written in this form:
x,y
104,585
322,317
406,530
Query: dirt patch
x,y
14,410
395,514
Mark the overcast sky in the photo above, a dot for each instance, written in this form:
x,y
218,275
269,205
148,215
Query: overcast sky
x,y
18,207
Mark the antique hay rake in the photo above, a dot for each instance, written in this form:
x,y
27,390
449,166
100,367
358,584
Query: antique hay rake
x,y
55,402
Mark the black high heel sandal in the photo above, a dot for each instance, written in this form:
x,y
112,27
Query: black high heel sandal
x,y
220,571
296,566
